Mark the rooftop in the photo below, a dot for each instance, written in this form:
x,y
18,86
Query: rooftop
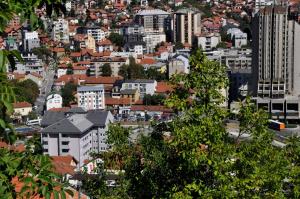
x,y
152,12
90,88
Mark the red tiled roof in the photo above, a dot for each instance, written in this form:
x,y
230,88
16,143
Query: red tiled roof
x,y
102,80
63,164
63,109
147,61
117,101
36,75
57,50
104,42
163,87
22,105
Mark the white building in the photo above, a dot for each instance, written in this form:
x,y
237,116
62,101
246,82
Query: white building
x,y
91,97
76,134
97,33
208,41
152,39
179,64
30,64
54,101
238,37
31,40
60,31
144,86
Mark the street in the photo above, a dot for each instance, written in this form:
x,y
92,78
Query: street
x,y
45,88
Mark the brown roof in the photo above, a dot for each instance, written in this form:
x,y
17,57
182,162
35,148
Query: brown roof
x,y
57,50
164,87
22,105
63,109
102,80
104,42
147,61
117,101
63,164
36,75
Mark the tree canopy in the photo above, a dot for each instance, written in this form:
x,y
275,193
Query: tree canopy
x,y
194,156
116,39
67,93
132,71
106,70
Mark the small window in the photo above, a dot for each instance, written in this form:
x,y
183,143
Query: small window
x,y
45,150
64,143
45,142
65,150
64,135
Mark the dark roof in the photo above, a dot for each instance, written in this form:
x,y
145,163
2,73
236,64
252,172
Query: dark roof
x,y
97,117
139,81
63,126
76,110
128,91
52,117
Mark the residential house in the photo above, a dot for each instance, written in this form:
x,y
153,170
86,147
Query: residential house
x,y
144,86
179,64
76,134
91,97
54,101
21,109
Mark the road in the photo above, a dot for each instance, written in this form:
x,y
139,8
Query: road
x,y
45,88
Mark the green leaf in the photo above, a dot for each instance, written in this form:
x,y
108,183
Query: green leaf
x,y
56,194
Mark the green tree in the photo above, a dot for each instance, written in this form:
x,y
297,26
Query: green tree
x,y
116,39
67,93
154,99
33,171
198,158
221,45
70,69
132,71
32,115
26,90
178,45
106,70
153,73
43,53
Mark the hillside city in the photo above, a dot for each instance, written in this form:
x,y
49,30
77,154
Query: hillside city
x,y
102,63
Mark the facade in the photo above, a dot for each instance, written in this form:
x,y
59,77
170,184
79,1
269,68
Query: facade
x,y
60,31
76,134
22,108
153,20
144,86
152,39
187,24
114,62
31,64
239,65
97,33
179,64
208,41
238,37
53,101
91,97
276,61
31,40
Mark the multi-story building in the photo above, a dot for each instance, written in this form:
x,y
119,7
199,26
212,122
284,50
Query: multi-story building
x,y
30,40
76,134
91,97
238,37
152,39
179,64
60,31
114,62
30,64
276,42
97,33
208,41
153,20
144,86
187,24
239,65
54,101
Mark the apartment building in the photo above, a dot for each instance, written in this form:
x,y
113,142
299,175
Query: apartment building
x,y
30,64
187,24
144,86
75,133
91,97
209,41
239,65
276,39
153,20
97,33
60,31
30,40
114,62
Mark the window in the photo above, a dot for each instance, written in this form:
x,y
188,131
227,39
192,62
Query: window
x,y
64,135
65,150
64,143
45,150
45,142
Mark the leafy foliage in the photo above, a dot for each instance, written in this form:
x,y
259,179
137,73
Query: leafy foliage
x,y
153,99
116,39
67,93
132,71
106,70
26,90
